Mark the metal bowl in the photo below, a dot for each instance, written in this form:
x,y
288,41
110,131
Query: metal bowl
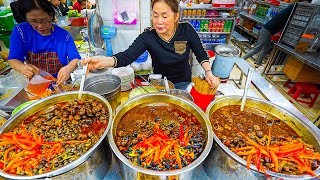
x,y
131,169
44,103
222,160
181,93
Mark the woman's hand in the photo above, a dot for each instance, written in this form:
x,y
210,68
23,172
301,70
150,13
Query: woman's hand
x,y
28,70
64,74
98,62
212,80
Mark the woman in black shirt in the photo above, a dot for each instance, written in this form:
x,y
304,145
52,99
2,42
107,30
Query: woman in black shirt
x,y
168,42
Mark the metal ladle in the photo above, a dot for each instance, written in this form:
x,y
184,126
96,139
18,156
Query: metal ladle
x,y
246,88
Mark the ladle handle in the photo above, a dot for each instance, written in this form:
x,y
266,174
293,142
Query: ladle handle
x,y
82,80
166,84
245,92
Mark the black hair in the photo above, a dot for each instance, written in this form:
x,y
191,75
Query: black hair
x,y
20,8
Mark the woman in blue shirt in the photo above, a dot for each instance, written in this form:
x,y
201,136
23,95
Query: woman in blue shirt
x,y
38,44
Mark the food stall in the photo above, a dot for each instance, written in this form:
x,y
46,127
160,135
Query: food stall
x,y
128,123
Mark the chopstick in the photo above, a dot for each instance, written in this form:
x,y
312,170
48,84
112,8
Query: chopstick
x,y
135,81
82,81
148,82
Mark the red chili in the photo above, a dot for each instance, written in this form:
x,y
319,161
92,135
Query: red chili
x,y
181,137
258,159
290,153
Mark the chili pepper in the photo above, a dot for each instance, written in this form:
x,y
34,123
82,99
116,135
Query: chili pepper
x,y
249,161
304,166
177,156
258,156
274,159
181,138
1,165
22,146
289,153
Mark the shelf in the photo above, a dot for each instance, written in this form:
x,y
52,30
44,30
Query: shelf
x,y
207,18
212,43
214,32
247,31
282,4
253,18
205,6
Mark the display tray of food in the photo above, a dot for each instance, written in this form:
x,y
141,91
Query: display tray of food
x,y
53,135
160,134
266,136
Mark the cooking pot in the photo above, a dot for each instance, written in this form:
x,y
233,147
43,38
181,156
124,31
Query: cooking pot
x,y
130,170
106,85
224,164
91,165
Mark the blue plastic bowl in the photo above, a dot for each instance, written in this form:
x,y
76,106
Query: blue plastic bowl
x,y
142,58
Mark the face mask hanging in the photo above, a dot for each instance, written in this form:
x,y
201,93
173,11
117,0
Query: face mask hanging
x,y
125,11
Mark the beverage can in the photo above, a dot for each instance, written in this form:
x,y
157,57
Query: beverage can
x,y
197,25
189,13
201,25
185,13
194,13
204,12
199,13
211,26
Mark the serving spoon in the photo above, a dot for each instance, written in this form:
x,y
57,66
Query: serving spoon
x,y
246,88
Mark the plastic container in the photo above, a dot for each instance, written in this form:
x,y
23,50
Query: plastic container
x,y
39,83
202,100
304,43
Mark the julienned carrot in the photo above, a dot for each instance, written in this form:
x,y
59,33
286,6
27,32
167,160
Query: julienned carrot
x,y
177,156
249,161
5,155
274,159
269,138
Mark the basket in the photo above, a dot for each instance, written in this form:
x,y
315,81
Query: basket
x,y
78,21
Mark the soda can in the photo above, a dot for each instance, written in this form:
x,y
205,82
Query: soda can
x,y
197,25
189,13
203,13
192,22
194,13
206,26
185,13
211,26
202,25
199,13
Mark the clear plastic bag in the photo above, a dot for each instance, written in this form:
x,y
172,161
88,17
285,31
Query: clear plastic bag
x,y
13,79
125,11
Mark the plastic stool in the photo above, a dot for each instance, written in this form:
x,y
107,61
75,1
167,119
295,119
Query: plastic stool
x,y
307,89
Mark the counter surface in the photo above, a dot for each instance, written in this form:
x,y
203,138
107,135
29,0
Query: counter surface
x,y
305,58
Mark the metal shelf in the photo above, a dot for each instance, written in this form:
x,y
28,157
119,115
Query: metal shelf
x,y
214,32
207,18
205,6
247,31
253,18
283,5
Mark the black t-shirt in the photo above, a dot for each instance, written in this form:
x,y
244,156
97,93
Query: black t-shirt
x,y
278,22
169,58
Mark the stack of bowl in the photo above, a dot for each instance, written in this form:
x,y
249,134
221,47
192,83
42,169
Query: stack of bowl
x,y
126,74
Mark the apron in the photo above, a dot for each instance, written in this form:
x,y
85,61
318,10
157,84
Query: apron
x,y
46,61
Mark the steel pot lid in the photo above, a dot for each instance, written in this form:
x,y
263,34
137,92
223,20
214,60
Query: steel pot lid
x,y
227,50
